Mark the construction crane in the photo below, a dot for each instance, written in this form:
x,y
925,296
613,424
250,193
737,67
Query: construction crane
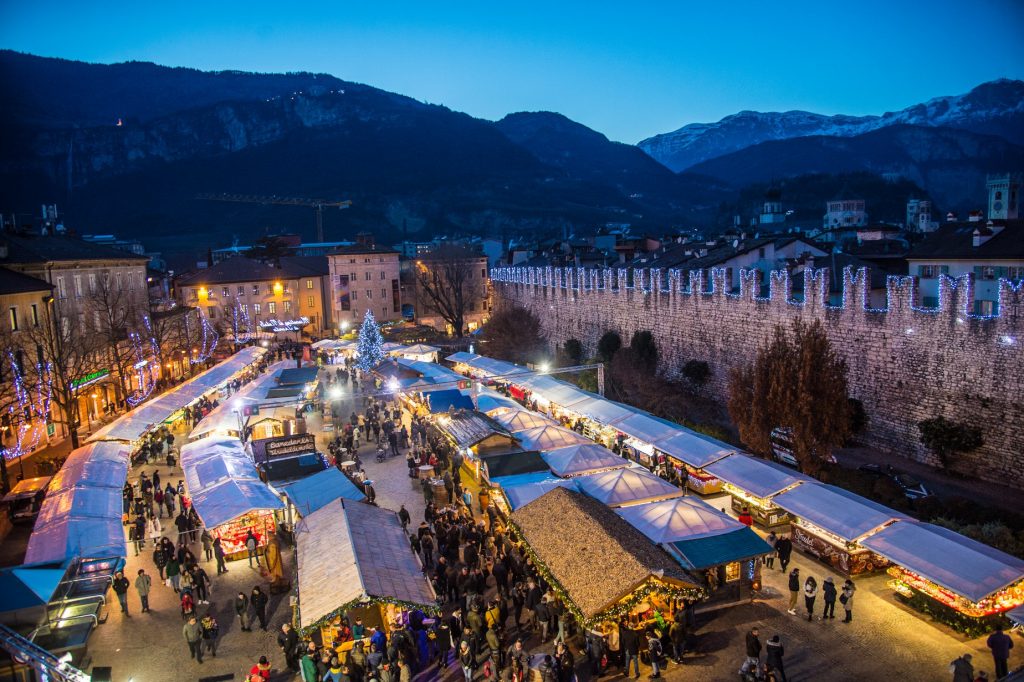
x,y
318,205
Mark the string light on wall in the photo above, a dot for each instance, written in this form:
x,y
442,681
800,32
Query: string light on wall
x,y
30,406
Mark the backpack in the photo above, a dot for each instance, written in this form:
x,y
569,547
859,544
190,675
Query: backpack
x,y
655,647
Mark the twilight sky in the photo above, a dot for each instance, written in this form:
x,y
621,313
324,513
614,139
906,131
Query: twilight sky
x,y
626,69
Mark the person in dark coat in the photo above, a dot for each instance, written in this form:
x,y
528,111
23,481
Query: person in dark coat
x,y
1000,644
773,658
753,660
829,594
784,548
288,640
629,642
259,599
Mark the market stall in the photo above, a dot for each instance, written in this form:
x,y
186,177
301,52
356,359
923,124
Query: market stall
x,y
753,483
549,437
622,487
705,541
475,435
604,570
829,523
227,493
519,489
421,352
586,458
600,416
521,420
25,499
935,569
447,400
642,431
354,561
688,453
494,404
81,513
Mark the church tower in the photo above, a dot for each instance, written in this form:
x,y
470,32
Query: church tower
x,y
1004,196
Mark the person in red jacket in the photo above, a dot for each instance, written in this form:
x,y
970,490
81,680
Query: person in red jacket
x,y
261,670
745,518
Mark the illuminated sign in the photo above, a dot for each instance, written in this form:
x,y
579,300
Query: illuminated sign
x,y
284,325
90,378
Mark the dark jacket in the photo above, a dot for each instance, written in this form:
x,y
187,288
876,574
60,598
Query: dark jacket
x,y
774,652
753,645
121,585
241,604
629,641
828,592
1000,643
258,600
794,582
784,546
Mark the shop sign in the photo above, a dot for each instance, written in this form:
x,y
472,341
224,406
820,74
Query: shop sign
x,y
50,429
292,445
89,378
292,325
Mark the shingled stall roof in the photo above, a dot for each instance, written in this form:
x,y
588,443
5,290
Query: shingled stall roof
x,y
351,553
601,561
467,428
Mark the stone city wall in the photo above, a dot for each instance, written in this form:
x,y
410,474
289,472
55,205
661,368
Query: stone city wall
x,y
905,363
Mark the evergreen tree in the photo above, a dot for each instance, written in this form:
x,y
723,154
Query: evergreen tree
x,y
370,347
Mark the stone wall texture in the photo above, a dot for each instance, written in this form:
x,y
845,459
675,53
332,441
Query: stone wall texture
x,y
905,363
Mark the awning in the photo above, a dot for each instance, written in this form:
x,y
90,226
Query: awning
x,y
715,550
621,487
840,512
681,518
521,420
453,398
523,489
27,488
512,463
419,349
758,477
223,481
964,566
462,357
553,390
133,425
351,552
495,402
549,438
297,376
581,459
646,428
694,448
81,514
317,491
29,586
605,412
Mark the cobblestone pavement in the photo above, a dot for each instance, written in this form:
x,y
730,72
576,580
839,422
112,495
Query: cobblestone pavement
x,y
885,641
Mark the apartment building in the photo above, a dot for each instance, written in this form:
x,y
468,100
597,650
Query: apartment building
x,y
364,278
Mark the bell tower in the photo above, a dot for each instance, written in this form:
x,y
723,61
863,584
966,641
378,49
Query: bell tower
x,y
1004,196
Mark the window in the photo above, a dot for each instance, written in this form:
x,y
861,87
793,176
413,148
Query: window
x,y
369,294
383,274
483,273
384,293
96,322
309,284
366,260
245,307
471,306
287,306
256,308
272,307
78,286
61,292
367,277
355,294
241,290
760,252
1013,274
195,294
225,292
988,272
13,318
65,326
353,277
120,285
984,308
927,271
35,315
383,312
352,260
92,282
309,301
255,289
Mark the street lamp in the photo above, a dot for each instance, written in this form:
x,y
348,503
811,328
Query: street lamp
x,y
544,367
335,393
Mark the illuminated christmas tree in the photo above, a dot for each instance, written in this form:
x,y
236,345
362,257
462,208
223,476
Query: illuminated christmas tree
x,y
370,348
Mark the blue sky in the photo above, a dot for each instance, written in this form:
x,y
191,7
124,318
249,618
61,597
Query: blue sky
x,y
629,70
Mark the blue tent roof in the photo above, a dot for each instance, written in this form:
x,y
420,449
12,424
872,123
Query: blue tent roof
x,y
29,586
319,490
716,550
442,401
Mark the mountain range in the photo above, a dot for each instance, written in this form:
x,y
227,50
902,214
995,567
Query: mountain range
x,y
130,148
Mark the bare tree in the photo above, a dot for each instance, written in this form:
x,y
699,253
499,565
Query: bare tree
x,y
70,355
448,283
177,332
116,314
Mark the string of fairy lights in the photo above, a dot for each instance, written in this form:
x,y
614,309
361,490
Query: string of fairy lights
x,y
30,405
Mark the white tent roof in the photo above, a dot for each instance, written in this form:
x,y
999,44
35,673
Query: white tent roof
x,y
627,486
548,438
333,344
646,428
606,412
223,481
581,459
521,420
957,563
694,448
420,349
495,404
682,518
759,477
840,512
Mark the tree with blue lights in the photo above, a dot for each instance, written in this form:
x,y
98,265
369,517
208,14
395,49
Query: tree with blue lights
x,y
370,347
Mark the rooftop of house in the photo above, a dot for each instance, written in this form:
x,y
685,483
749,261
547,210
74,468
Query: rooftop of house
x,y
12,282
1001,240
244,269
24,249
363,250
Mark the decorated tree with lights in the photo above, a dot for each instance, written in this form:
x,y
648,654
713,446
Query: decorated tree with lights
x,y
370,347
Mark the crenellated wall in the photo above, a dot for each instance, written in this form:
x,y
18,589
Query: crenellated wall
x,y
905,363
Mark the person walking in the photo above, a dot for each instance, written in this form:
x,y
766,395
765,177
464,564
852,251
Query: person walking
x,y
774,652
962,669
121,585
193,634
784,548
810,593
769,559
174,572
753,660
211,631
654,650
252,546
218,553
677,636
288,640
207,541
201,581
794,589
259,600
846,599
828,594
242,609
142,585
629,642
1000,644
467,661
403,516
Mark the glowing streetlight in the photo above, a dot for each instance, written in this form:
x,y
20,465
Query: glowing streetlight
x,y
392,384
335,393
344,326
544,367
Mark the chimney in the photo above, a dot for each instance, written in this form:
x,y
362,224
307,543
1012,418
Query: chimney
x,y
978,238
994,228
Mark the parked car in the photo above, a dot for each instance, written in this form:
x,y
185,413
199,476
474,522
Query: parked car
x,y
782,447
912,488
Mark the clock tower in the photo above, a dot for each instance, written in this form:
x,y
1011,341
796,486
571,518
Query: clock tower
x,y
1004,196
